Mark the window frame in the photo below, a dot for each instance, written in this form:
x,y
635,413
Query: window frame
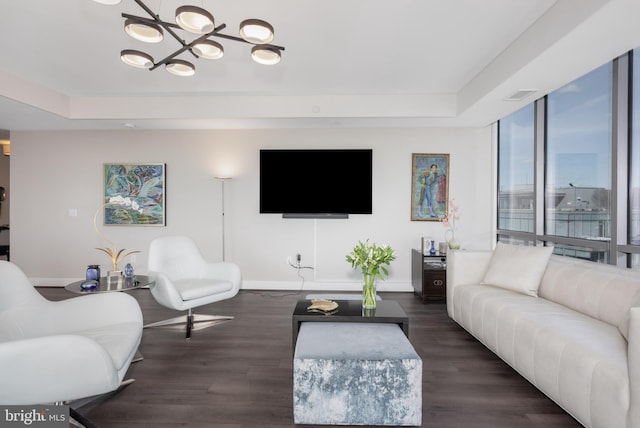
x,y
618,249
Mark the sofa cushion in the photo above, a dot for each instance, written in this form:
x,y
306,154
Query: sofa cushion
x,y
518,268
604,292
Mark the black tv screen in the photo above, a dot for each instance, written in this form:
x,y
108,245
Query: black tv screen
x,y
315,183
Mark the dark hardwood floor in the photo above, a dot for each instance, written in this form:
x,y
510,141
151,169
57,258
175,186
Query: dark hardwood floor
x,y
239,374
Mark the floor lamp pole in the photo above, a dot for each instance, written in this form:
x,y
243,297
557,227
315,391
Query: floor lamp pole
x,y
223,179
223,231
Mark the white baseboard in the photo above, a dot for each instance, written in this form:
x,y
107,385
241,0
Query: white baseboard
x,y
383,286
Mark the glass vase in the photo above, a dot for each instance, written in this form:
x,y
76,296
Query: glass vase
x,y
452,241
93,273
114,280
128,271
369,292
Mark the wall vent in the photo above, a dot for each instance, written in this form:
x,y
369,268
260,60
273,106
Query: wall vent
x,y
521,94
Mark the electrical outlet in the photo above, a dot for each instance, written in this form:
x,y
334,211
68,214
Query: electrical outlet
x,y
133,258
298,258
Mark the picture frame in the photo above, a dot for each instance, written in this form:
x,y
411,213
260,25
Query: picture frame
x,y
429,186
134,194
425,246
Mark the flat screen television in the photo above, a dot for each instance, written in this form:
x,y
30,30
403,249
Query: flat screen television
x,y
315,183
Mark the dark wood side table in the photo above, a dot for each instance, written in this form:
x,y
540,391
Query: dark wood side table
x,y
386,311
429,276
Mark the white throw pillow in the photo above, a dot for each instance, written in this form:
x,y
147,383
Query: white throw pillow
x,y
517,267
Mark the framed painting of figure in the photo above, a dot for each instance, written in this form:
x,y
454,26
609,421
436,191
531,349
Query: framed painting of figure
x,y
429,186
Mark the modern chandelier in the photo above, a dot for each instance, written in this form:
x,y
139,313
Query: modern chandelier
x,y
198,21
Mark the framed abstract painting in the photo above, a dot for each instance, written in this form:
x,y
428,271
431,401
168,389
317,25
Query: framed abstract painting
x,y
134,194
429,186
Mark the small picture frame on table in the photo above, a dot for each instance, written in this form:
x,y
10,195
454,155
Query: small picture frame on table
x,y
426,245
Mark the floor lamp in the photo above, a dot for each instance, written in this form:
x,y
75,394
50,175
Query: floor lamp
x,y
223,179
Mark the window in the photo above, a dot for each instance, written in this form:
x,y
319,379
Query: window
x,y
634,185
515,171
580,133
578,158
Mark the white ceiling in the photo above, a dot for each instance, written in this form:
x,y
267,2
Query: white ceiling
x,y
347,63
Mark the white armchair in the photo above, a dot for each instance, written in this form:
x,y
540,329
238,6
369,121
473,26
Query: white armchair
x,y
62,351
184,280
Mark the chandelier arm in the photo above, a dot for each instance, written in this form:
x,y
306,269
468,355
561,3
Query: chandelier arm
x,y
239,39
170,57
146,9
166,25
187,47
160,22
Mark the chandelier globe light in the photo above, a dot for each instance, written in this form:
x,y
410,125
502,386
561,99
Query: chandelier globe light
x,y
265,54
143,31
208,49
180,67
136,58
256,31
194,19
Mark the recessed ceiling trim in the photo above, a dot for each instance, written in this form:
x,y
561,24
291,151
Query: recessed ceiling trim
x,y
204,107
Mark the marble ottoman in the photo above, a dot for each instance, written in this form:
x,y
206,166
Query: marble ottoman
x,y
356,374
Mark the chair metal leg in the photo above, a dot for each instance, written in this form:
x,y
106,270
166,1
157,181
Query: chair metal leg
x,y
192,322
78,420
137,357
86,400
81,421
189,324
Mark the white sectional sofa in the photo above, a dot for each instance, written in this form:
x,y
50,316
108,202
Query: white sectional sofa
x,y
570,327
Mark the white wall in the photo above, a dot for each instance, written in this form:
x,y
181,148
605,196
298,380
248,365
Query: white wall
x,y
55,172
